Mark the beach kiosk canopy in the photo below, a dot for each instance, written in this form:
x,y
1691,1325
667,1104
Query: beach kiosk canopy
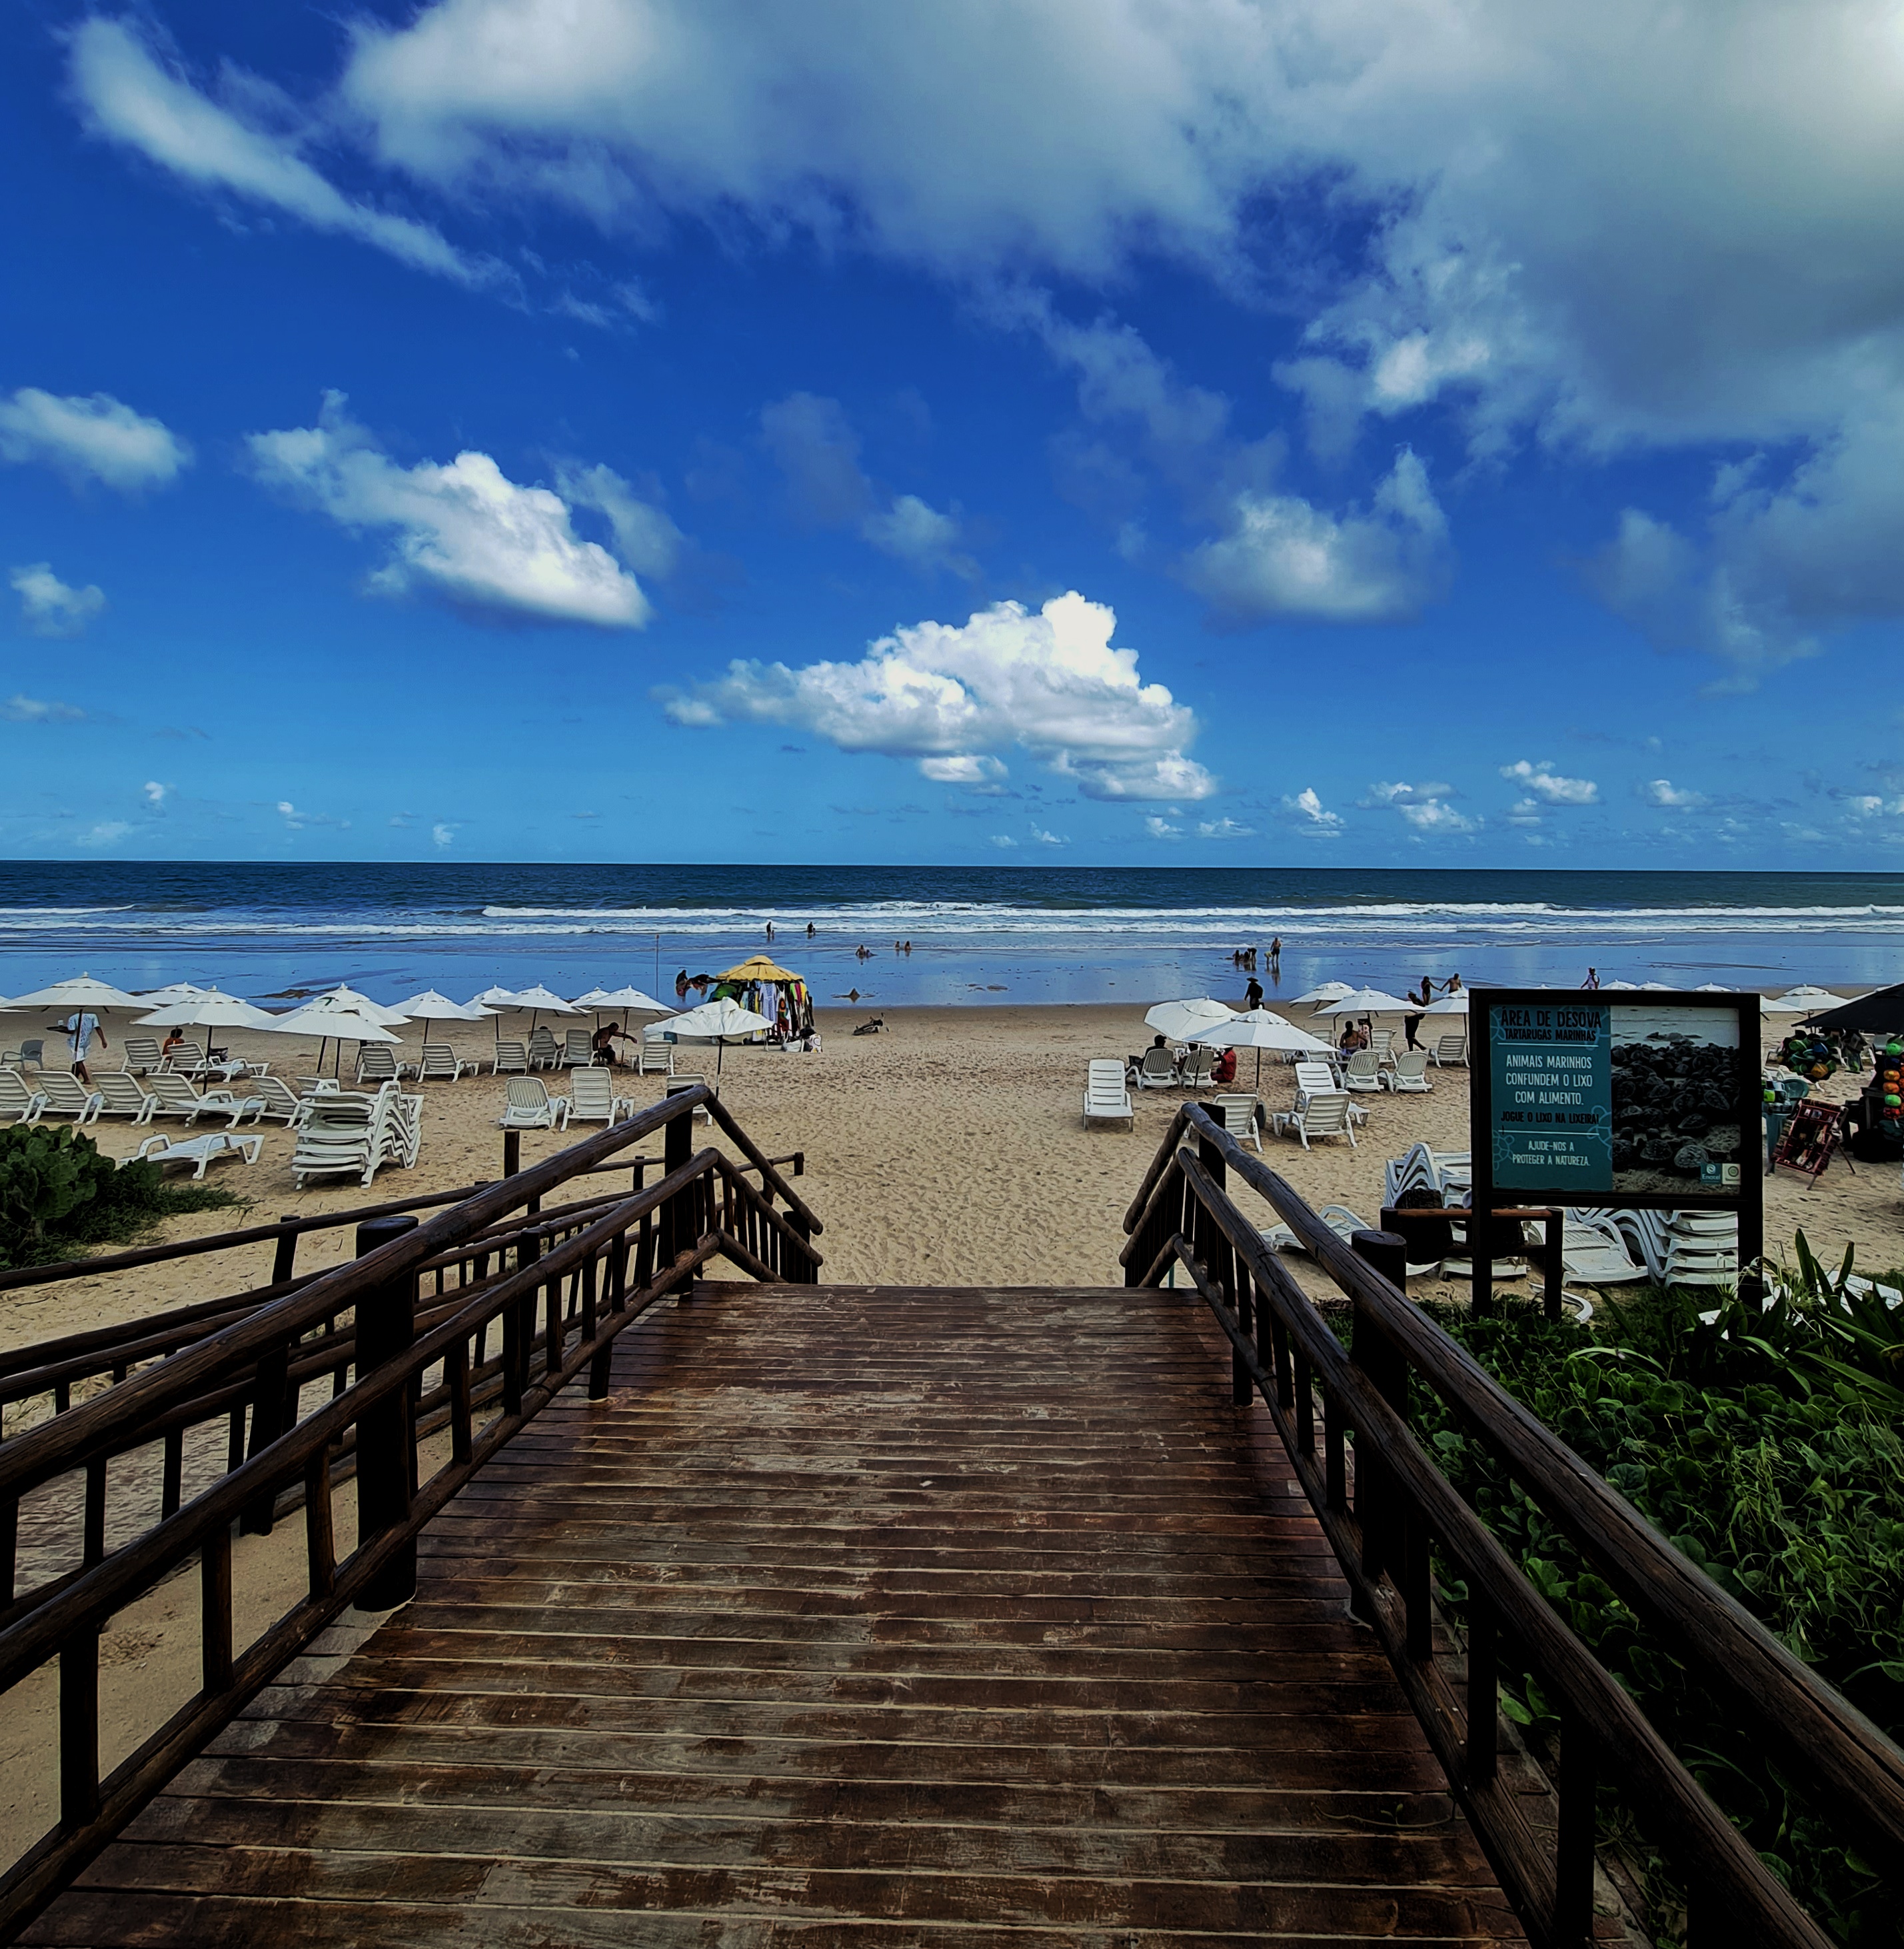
x,y
1880,1013
758,968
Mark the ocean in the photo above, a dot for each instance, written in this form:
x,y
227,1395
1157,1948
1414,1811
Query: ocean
x,y
1011,934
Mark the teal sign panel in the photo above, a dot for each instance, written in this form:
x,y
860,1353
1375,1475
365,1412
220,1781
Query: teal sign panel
x,y
1551,1082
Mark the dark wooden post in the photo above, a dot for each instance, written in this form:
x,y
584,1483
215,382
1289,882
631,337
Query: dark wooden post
x,y
285,1261
677,1214
511,1152
1556,1279
271,1414
1386,1253
1480,1256
387,1329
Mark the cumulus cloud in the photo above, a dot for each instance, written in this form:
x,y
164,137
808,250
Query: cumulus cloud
x,y
1284,556
22,710
1224,828
51,608
295,819
1161,828
442,834
91,436
646,538
1044,838
917,534
1663,792
155,793
952,697
1424,805
1003,839
1311,815
128,94
463,531
106,833
1542,782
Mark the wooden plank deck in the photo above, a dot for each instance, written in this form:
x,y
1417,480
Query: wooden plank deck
x,y
854,1616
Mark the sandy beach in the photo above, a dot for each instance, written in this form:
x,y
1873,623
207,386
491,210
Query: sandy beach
x,y
947,1149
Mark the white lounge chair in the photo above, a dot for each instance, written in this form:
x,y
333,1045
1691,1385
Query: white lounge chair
x,y
1339,1218
1157,1069
1410,1074
578,1048
281,1101
200,1152
1414,1170
440,1064
67,1096
655,1059
120,1095
1363,1071
592,1098
545,1052
1593,1250
377,1065
511,1059
24,1104
1451,1052
686,1079
346,1131
140,1055
30,1055
530,1107
1198,1063
1239,1116
174,1096
1107,1100
1316,1116
1382,1041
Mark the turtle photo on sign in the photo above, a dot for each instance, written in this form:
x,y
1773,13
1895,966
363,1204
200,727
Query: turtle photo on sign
x,y
1678,1121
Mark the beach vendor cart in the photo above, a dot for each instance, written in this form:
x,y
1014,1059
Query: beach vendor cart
x,y
770,991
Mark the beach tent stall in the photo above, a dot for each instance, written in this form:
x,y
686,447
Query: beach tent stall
x,y
763,985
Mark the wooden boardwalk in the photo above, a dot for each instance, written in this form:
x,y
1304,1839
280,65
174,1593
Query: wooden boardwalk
x,y
854,1616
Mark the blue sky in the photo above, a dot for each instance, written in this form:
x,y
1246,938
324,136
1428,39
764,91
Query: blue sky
x,y
1099,429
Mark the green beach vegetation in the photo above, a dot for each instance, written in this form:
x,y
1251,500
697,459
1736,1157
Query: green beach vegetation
x,y
58,1194
1766,1444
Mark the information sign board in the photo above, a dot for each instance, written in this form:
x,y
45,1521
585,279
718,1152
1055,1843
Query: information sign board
x,y
1644,1099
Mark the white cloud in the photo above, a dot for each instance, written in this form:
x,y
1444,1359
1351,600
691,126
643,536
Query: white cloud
x,y
52,607
1003,839
1044,838
1223,828
1406,795
155,793
917,534
105,833
1311,815
90,437
813,443
1162,829
19,709
1524,812
1664,793
1435,815
1284,556
128,95
442,834
297,819
1541,781
463,531
646,538
949,697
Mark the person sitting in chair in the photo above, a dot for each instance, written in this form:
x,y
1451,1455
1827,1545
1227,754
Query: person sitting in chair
x,y
1222,1072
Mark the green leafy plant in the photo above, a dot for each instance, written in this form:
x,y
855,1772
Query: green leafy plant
x,y
1765,1445
58,1192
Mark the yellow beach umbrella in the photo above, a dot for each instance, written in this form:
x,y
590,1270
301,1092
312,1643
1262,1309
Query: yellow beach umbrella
x,y
760,969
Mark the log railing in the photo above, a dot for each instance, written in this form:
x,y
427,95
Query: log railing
x,y
1384,1505
528,1305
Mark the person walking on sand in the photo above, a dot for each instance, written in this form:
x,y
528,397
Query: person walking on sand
x,y
1253,994
1592,981
79,1030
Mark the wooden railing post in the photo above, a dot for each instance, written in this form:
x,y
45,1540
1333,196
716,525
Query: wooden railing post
x,y
284,1262
1386,1253
677,1214
387,1329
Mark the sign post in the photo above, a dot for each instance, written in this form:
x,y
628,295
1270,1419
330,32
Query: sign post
x,y
1649,1101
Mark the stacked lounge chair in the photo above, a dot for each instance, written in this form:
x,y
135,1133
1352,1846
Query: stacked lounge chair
x,y
348,1132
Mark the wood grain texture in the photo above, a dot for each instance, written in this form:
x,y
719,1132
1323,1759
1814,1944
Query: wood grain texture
x,y
851,1616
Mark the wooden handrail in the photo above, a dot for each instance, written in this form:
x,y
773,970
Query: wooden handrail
x,y
1184,1215
760,1160
43,1451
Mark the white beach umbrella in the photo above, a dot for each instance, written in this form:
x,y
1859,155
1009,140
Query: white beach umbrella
x,y
1631,986
343,1000
1808,996
1324,991
1369,1002
80,992
210,1010
340,1025
1258,1030
177,991
1714,988
1779,1005
716,1021
429,1006
1449,1005
543,1001
1181,1020
634,999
